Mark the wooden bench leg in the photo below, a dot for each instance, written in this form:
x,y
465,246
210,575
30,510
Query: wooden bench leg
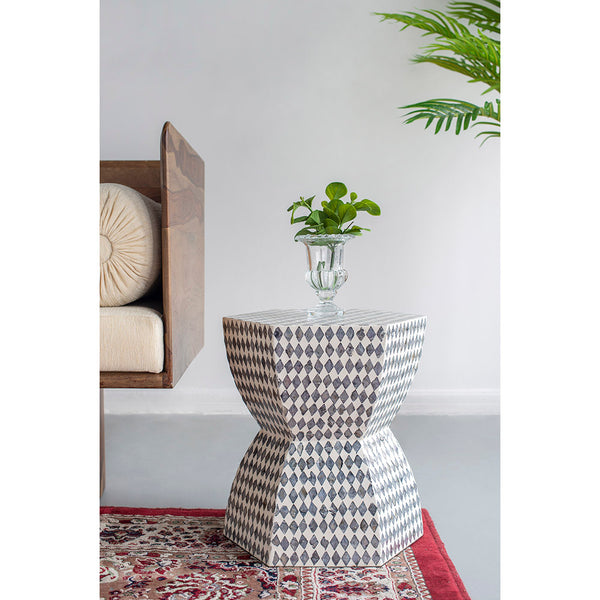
x,y
102,463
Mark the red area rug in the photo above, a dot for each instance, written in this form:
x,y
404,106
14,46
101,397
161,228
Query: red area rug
x,y
181,554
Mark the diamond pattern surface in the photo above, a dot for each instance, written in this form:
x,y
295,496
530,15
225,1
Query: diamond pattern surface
x,y
325,482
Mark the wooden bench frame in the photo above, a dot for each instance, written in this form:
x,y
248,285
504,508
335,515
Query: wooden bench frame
x,y
177,182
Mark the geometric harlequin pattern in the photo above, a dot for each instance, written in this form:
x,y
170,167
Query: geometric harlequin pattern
x,y
325,482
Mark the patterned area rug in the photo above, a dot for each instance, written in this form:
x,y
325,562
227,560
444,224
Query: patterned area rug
x,y
181,554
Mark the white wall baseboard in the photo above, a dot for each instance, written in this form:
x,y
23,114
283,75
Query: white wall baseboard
x,y
229,402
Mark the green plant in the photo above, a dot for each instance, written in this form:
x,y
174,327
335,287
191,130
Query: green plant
x,y
457,48
335,216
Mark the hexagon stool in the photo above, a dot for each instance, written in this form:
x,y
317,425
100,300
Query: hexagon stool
x,y
325,482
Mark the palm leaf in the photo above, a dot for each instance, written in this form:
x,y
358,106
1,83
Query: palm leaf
x,y
445,110
470,47
488,135
482,17
431,22
476,56
477,72
457,48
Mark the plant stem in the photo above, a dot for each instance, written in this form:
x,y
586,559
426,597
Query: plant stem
x,y
332,248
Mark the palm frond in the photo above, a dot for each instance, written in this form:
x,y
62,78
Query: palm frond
x,y
445,110
479,70
475,56
457,47
478,15
488,135
490,111
470,47
436,24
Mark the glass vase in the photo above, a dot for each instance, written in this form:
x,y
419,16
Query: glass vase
x,y
326,273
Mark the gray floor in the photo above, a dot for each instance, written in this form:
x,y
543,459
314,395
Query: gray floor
x,y
190,461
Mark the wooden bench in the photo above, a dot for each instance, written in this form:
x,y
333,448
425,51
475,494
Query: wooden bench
x,y
177,182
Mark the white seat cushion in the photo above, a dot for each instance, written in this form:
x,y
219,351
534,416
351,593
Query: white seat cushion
x,y
131,339
130,244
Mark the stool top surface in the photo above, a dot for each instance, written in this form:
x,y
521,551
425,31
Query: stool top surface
x,y
300,317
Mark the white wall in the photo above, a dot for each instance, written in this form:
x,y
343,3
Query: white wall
x,y
280,98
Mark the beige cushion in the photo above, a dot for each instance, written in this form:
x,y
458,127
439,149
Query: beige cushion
x,y
130,245
131,339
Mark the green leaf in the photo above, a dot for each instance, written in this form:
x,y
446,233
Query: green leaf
x,y
347,213
333,230
444,108
459,121
305,231
330,213
330,223
308,202
316,217
336,190
335,204
296,204
478,15
293,208
488,134
353,196
355,230
368,206
437,23
299,220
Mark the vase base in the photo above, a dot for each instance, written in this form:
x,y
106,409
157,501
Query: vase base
x,y
326,309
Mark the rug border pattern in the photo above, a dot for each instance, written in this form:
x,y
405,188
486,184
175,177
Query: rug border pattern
x,y
433,556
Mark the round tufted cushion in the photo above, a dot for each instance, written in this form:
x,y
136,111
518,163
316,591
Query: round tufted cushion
x,y
130,248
